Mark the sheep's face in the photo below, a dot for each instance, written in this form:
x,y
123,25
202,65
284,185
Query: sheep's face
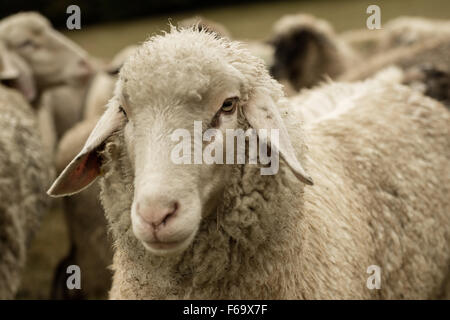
x,y
174,100
166,141
53,58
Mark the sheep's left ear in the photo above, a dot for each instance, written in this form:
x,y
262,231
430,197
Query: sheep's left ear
x,y
262,113
85,167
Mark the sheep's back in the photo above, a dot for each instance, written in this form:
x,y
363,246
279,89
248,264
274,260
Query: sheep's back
x,y
381,172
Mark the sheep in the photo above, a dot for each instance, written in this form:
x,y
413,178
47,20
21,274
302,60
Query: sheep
x,y
407,31
59,60
65,104
312,106
91,247
61,69
432,51
15,73
417,60
364,42
59,73
344,197
25,174
307,50
401,32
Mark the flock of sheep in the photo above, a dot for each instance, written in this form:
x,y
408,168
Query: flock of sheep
x,y
364,176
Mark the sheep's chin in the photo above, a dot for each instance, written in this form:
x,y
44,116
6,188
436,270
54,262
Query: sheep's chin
x,y
169,249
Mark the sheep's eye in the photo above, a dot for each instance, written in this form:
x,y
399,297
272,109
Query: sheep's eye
x,y
25,44
121,109
114,71
229,105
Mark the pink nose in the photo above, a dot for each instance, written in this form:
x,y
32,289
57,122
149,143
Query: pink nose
x,y
157,213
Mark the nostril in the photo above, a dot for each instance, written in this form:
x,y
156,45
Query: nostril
x,y
170,214
155,215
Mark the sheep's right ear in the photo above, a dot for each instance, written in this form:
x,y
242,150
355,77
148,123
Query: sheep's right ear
x,y
262,113
85,167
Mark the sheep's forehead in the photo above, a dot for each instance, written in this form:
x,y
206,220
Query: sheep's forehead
x,y
180,66
26,21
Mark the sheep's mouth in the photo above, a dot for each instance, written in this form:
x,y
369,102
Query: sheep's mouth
x,y
168,247
163,245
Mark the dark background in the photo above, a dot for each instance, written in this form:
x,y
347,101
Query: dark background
x,y
97,11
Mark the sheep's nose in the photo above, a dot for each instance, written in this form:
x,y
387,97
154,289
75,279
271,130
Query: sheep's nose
x,y
157,213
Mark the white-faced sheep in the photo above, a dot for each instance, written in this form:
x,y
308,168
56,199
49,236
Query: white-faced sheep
x,y
25,172
59,66
307,50
380,193
59,60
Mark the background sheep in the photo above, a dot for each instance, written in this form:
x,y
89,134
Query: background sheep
x,y
313,106
407,31
215,231
306,51
397,33
60,68
25,173
427,64
91,248
58,72
59,59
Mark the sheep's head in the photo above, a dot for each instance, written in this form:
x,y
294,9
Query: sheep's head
x,y
53,58
177,84
305,50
